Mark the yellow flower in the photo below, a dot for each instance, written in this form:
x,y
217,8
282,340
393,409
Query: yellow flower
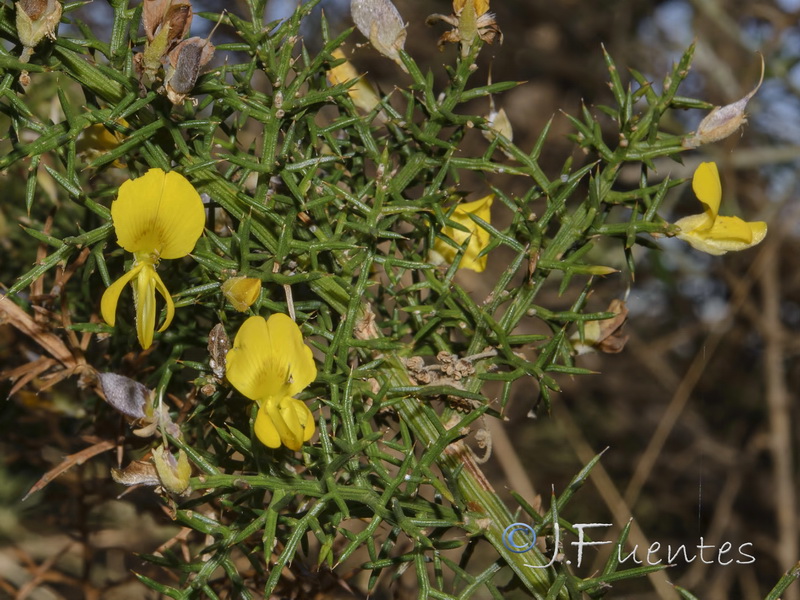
x,y
241,292
478,237
159,215
269,363
710,232
361,92
97,139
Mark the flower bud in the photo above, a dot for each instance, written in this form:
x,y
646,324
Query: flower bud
x,y
241,292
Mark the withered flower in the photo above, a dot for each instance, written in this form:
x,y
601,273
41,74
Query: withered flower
x,y
471,19
604,335
723,120
184,65
380,21
165,23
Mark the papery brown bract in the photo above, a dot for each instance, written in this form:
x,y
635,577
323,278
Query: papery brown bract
x,y
174,14
604,335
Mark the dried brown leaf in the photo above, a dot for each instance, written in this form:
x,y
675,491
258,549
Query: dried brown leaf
x,y
69,461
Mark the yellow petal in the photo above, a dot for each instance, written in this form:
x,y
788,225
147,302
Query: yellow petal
x,y
162,289
269,358
305,418
479,238
265,430
284,416
144,296
707,188
159,214
241,292
108,304
481,6
147,283
729,234
291,419
361,92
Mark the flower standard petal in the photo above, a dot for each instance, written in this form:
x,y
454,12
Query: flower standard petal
x,y
708,189
108,304
269,358
286,338
159,213
253,367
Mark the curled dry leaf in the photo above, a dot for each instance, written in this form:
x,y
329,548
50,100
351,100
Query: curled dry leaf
x,y
604,335
138,472
175,16
183,67
723,120
380,21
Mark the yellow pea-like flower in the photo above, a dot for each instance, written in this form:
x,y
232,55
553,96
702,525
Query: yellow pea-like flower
x,y
478,237
269,363
159,215
710,232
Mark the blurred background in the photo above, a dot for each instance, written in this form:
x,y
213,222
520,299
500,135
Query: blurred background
x,y
698,413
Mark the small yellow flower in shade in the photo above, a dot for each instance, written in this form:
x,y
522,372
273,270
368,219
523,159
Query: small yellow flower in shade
x,y
159,215
361,92
241,292
710,232
478,237
98,139
269,363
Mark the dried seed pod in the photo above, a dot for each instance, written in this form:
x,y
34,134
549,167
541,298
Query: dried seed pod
x,y
380,21
35,20
183,67
723,120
